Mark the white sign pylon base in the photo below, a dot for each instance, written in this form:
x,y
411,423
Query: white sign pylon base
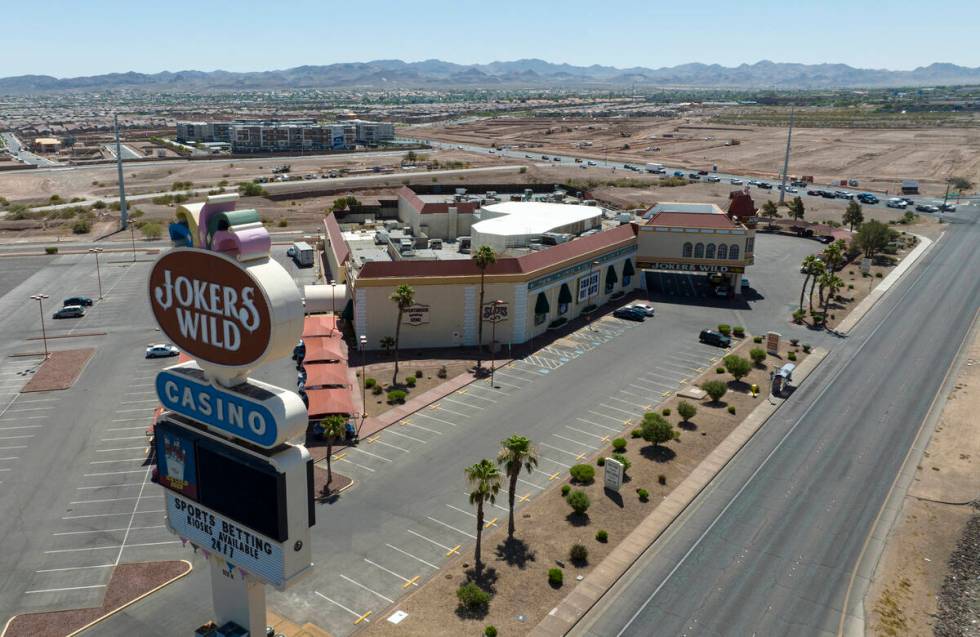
x,y
237,598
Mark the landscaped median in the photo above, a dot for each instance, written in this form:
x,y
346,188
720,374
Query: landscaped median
x,y
577,529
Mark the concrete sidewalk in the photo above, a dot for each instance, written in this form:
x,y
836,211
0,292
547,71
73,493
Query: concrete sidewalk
x,y
561,619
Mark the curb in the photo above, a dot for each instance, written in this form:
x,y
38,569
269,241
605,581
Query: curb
x,y
190,567
574,606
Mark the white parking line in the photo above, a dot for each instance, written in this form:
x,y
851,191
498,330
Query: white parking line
x,y
669,379
530,484
458,402
106,548
73,568
21,427
111,473
353,463
374,592
17,437
140,402
382,442
373,455
561,464
581,444
338,604
14,447
157,495
30,418
111,486
571,453
135,528
108,515
595,424
430,540
389,430
587,433
418,559
11,458
678,368
412,424
464,512
21,411
140,459
121,449
450,526
402,578
143,409
124,438
59,590
596,413
470,394
625,402
38,400
628,413
425,415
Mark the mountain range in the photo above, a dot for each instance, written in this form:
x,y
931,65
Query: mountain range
x,y
526,73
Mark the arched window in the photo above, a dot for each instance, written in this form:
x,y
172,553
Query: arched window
x,y
699,251
722,251
733,252
688,248
710,253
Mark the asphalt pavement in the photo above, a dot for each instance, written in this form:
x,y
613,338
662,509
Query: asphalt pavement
x,y
17,150
770,546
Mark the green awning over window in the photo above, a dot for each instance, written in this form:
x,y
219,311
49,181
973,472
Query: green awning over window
x,y
628,268
541,305
611,278
565,295
348,313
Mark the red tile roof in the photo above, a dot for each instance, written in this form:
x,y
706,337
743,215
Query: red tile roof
x,y
319,325
691,220
336,239
320,374
323,348
508,265
329,401
434,207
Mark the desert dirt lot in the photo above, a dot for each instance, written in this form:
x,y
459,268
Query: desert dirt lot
x,y
880,159
904,598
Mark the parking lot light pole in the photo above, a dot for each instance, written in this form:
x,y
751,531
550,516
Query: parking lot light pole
x,y
363,343
132,236
591,265
40,306
98,271
493,338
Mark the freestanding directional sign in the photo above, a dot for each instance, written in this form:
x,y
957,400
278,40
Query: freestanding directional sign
x,y
237,488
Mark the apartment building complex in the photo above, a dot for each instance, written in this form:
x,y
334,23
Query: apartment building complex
x,y
251,136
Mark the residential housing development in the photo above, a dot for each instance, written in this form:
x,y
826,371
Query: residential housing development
x,y
249,136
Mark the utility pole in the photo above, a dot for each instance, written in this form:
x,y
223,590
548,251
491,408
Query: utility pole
x,y
942,210
40,306
123,213
789,138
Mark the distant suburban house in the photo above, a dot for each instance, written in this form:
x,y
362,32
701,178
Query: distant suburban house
x,y
910,187
47,144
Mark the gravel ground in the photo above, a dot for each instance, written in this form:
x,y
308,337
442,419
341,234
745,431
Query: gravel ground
x,y
60,371
959,598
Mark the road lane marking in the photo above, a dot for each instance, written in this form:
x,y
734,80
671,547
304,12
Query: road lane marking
x,y
374,592
407,554
450,526
68,588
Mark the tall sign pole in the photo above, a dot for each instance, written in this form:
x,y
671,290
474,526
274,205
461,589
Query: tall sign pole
x,y
236,486
789,138
123,212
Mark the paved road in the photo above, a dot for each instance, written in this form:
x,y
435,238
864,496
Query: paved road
x,y
18,151
127,152
769,547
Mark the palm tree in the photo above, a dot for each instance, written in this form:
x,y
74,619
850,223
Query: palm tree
x,y
797,208
808,267
817,271
484,257
516,453
769,210
404,297
485,480
333,427
830,282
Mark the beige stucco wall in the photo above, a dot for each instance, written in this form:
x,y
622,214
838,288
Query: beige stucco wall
x,y
667,244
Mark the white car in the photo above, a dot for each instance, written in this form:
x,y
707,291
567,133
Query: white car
x,y
161,350
646,308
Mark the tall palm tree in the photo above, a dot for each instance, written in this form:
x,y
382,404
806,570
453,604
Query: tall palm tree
x,y
404,298
809,266
333,427
830,282
484,257
516,453
484,478
817,271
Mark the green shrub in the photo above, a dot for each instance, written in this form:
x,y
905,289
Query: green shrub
x,y
725,328
662,479
578,501
644,494
798,315
850,286
490,631
578,554
878,275
51,250
686,410
82,226
565,489
619,445
794,342
715,388
623,460
376,390
601,536
806,348
472,597
738,331
791,356
757,354
151,231
600,461
636,433
283,223
370,382
737,366
665,412
410,381
99,205
582,473
731,409
555,577
756,339
396,396
719,370
656,430
419,373
443,372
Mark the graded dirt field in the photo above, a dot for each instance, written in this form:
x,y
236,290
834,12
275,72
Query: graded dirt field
x,y
879,159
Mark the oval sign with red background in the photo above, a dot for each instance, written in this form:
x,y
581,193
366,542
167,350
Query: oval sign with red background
x,y
210,307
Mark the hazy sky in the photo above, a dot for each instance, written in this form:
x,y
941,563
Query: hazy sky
x,y
65,39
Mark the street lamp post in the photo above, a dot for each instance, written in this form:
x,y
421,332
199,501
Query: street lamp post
x,y
40,306
591,265
98,271
363,343
132,236
493,338
333,304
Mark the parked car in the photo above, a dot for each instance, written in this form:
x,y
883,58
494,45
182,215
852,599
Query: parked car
x,y
592,163
947,207
896,202
702,172
70,311
842,194
291,252
630,314
712,178
814,192
908,202
678,173
827,194
867,197
161,350
792,190
299,351
734,181
710,337
646,308
765,185
694,176
924,207
84,301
